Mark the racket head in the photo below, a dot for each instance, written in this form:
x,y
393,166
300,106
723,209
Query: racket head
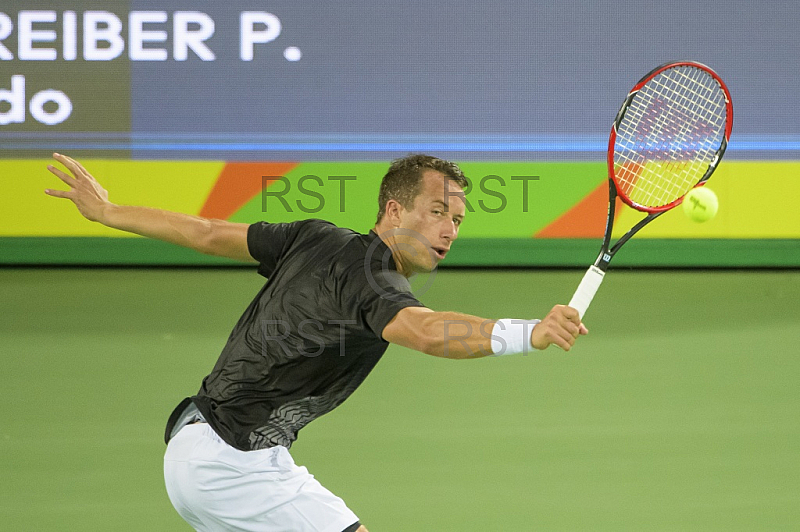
x,y
669,135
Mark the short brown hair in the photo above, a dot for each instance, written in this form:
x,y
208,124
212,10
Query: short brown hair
x,y
403,180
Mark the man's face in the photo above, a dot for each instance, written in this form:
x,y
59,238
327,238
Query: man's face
x,y
428,229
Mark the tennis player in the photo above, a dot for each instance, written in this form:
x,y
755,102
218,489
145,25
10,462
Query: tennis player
x,y
333,301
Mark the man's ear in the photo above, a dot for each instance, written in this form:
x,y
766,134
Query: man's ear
x,y
393,211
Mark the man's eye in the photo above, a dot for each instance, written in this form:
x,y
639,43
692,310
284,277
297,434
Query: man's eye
x,y
437,212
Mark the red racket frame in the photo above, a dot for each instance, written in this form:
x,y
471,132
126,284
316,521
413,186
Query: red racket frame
x,y
613,136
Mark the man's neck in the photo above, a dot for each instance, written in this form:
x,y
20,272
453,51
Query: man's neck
x,y
385,233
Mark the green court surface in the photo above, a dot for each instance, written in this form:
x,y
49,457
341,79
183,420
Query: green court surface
x,y
680,410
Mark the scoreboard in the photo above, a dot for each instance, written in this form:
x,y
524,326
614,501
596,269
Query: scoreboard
x,y
511,89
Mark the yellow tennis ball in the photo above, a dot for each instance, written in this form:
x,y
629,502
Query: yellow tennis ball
x,y
700,204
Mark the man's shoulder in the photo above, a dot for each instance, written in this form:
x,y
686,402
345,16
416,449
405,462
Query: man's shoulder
x,y
300,231
389,278
313,224
328,236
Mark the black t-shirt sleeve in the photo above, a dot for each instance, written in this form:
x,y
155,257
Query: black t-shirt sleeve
x,y
267,243
385,294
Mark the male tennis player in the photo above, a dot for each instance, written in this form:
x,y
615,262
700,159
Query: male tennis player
x,y
333,302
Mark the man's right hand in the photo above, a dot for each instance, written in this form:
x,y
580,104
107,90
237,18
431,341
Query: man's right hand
x,y
560,327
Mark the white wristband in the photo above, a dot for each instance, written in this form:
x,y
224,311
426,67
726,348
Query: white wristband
x,y
510,336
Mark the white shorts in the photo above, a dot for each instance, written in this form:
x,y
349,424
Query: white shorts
x,y
214,487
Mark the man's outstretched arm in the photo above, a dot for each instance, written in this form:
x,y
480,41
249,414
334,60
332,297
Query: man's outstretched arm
x,y
212,237
454,335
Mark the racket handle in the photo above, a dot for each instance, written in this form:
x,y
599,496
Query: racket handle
x,y
587,289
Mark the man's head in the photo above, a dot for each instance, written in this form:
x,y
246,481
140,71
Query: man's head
x,y
422,205
403,180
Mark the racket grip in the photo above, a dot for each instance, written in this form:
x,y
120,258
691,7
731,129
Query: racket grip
x,y
587,289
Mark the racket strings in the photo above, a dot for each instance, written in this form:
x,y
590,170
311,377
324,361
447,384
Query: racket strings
x,y
669,136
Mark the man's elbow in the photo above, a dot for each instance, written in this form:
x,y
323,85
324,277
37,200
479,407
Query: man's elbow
x,y
205,239
221,238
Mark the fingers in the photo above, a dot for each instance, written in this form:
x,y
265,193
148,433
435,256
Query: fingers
x,y
72,165
79,173
63,176
561,327
574,318
58,193
553,330
69,162
564,341
66,178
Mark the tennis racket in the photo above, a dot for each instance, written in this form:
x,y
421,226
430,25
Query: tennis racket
x,y
668,137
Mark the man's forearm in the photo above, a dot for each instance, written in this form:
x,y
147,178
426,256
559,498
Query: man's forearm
x,y
176,228
455,335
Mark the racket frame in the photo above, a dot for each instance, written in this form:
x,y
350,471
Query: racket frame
x,y
612,138
594,275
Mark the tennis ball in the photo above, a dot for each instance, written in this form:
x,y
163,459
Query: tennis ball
x,y
700,204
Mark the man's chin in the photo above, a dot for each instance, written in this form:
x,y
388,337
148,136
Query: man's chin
x,y
427,267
